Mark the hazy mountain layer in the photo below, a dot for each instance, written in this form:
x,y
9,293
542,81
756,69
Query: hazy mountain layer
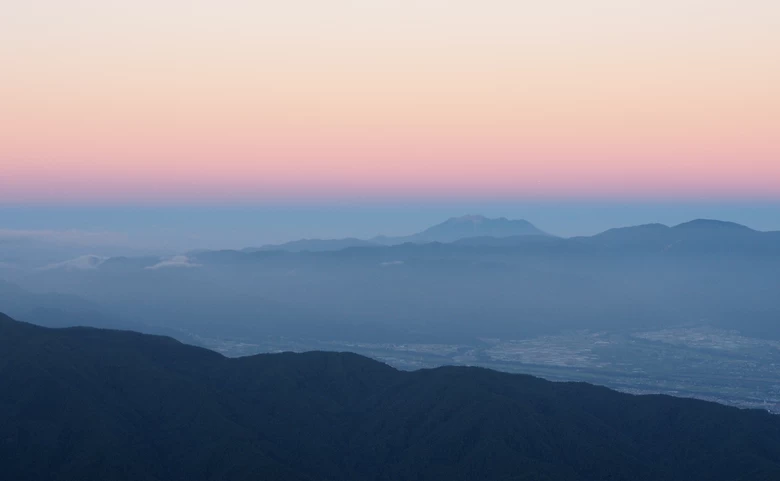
x,y
702,272
450,230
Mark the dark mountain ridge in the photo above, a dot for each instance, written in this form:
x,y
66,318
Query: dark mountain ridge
x,y
89,404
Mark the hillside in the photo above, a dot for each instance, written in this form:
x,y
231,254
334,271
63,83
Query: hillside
x,y
92,404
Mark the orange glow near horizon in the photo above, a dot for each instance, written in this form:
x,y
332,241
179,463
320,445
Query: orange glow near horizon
x,y
108,101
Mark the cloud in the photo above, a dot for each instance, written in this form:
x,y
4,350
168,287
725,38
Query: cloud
x,y
176,261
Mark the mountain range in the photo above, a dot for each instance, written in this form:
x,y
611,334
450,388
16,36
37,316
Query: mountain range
x,y
697,235
704,271
700,236
703,235
450,230
91,404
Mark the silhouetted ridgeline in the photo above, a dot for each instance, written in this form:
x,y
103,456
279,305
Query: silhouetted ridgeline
x,y
87,404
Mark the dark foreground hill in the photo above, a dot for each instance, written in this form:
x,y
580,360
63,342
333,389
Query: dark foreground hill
x,y
88,404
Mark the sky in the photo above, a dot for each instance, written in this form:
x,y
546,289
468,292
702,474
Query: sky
x,y
419,103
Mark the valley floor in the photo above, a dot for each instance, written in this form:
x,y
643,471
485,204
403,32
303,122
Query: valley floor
x,y
700,362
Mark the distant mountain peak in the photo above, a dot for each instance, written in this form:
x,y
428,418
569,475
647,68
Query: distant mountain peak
x,y
472,225
467,226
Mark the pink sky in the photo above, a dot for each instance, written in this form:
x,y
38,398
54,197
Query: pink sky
x,y
193,100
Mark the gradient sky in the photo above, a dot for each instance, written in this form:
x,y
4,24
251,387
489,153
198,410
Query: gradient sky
x,y
183,101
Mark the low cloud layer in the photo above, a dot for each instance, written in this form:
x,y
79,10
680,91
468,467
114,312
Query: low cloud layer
x,y
176,261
